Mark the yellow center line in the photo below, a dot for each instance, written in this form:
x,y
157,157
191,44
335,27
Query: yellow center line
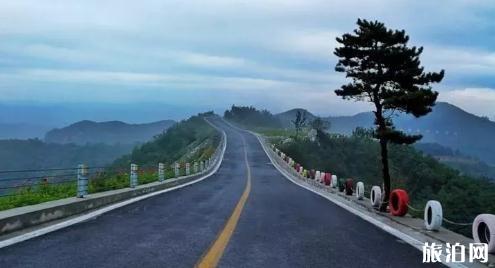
x,y
212,256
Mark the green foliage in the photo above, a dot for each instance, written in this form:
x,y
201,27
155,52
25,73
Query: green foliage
x,y
251,117
319,124
387,73
36,194
422,176
299,121
188,141
192,139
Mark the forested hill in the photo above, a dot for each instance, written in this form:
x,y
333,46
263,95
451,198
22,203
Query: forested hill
x,y
111,132
192,139
448,125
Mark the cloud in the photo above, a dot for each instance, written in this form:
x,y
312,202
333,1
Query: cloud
x,y
274,53
460,60
479,101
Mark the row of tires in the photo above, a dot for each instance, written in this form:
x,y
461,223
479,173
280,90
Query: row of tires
x,y
483,226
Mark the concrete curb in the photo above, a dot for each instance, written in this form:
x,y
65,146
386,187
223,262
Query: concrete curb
x,y
402,229
23,217
20,218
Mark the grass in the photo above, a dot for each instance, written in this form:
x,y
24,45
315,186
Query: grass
x,y
38,194
44,192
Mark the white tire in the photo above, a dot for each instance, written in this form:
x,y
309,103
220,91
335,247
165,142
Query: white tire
x,y
433,215
484,230
317,176
334,181
360,190
376,196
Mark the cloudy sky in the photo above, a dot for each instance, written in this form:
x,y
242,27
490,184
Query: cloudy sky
x,y
211,54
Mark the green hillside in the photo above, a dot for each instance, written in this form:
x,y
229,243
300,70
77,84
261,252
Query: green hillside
x,y
424,178
191,139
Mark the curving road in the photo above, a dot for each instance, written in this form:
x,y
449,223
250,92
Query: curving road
x,y
245,215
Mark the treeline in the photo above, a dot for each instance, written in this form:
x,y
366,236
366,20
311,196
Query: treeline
x,y
36,154
191,139
251,117
424,178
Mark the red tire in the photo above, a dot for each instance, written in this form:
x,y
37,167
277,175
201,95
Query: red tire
x,y
349,187
327,178
399,199
298,167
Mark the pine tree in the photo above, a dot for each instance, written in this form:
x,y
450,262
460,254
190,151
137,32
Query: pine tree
x,y
387,73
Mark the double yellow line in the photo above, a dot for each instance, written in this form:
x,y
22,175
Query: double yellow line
x,y
212,256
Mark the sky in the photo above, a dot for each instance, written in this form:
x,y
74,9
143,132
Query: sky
x,y
206,55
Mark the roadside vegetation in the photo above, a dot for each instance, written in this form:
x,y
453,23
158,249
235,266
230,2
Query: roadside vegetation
x,y
187,141
357,156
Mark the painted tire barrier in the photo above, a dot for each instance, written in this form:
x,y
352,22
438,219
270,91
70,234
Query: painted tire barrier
x,y
312,174
341,185
305,173
399,199
318,176
433,215
376,196
297,167
335,181
484,230
360,190
328,178
349,187
322,177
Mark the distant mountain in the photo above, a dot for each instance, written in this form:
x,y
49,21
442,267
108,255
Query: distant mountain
x,y
470,166
111,132
447,125
286,117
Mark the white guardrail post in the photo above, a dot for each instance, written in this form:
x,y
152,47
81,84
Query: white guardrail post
x,y
195,167
177,170
188,169
82,180
161,172
133,176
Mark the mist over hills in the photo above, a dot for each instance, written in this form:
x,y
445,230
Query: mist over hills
x,y
447,125
23,130
111,132
32,120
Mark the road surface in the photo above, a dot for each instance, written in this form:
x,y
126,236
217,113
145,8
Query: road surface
x,y
245,215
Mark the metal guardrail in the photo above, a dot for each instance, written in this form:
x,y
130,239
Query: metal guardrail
x,y
14,182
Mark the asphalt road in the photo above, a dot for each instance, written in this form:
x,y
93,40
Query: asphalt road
x,y
281,225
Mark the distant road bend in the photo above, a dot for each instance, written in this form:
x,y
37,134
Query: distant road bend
x,y
245,215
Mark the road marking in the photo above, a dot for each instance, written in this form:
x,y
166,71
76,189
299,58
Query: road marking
x,y
212,256
85,217
388,229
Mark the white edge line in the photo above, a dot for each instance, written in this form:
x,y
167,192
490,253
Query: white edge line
x,y
407,238
98,212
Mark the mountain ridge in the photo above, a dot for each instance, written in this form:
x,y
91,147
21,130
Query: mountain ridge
x,y
447,125
107,132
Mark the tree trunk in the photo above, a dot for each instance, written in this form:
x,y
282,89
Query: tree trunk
x,y
386,175
382,129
